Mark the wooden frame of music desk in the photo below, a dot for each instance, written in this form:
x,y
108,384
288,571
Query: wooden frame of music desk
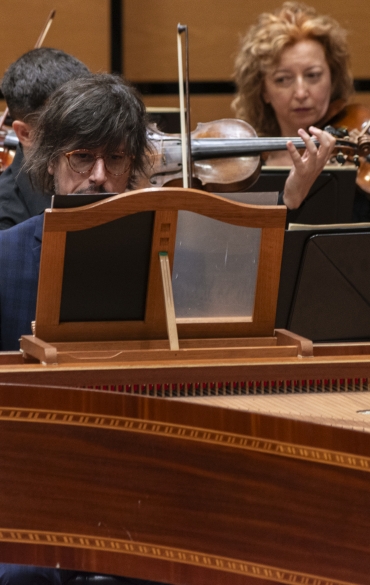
x,y
160,335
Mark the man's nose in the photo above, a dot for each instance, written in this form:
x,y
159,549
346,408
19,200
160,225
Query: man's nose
x,y
98,173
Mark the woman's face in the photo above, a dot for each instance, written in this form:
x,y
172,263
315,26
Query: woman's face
x,y
299,87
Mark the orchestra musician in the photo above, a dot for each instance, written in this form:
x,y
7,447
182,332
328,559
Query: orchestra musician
x,y
89,138
26,85
292,74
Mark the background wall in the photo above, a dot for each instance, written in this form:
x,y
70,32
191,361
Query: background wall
x,y
80,27
215,27
149,52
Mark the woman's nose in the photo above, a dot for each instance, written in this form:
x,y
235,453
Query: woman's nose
x,y
300,88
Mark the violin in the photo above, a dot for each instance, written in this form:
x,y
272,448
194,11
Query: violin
x,y
8,144
226,155
352,122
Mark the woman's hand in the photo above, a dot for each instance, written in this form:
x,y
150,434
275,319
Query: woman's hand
x,y
306,168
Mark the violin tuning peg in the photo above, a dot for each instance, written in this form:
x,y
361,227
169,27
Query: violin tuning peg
x,y
356,160
331,130
338,132
340,158
343,130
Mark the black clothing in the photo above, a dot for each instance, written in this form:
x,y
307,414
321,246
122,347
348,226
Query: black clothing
x,y
24,575
360,211
18,200
361,206
27,575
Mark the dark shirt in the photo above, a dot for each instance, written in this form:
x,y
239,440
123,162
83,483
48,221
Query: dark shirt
x,y
361,206
360,211
18,200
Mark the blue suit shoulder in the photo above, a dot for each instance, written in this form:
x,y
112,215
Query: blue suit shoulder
x,y
20,248
30,228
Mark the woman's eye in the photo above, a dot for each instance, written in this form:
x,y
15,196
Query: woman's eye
x,y
283,80
314,75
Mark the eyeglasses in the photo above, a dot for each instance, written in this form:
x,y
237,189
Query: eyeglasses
x,y
83,161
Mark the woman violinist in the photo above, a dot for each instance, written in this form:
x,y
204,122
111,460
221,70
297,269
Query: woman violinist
x,y
291,72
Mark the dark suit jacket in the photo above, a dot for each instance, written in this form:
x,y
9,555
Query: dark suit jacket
x,y
20,248
18,200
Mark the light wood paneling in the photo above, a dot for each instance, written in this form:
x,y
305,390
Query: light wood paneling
x,y
204,108
361,98
214,29
80,28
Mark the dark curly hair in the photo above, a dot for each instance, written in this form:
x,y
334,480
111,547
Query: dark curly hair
x,y
29,81
99,111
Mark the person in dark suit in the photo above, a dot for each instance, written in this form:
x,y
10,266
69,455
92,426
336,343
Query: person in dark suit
x,y
26,85
90,138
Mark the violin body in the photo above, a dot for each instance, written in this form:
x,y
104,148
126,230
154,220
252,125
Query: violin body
x,y
7,147
212,169
352,117
226,174
6,158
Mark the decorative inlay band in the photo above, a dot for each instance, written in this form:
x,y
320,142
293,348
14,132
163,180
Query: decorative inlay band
x,y
163,553
176,431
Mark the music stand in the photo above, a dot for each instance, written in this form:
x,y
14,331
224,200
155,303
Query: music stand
x,y
140,322
330,199
325,285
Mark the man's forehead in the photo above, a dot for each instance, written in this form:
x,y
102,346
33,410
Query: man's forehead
x,y
104,149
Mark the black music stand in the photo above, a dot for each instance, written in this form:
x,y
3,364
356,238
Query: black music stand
x,y
99,260
324,291
330,199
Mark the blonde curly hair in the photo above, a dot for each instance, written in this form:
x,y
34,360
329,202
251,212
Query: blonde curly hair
x,y
261,49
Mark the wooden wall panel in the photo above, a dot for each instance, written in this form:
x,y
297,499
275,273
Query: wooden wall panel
x,y
361,98
214,29
215,26
206,108
80,28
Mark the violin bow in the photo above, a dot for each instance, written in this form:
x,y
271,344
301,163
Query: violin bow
x,y
185,129
38,44
45,30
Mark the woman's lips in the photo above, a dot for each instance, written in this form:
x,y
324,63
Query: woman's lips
x,y
302,110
